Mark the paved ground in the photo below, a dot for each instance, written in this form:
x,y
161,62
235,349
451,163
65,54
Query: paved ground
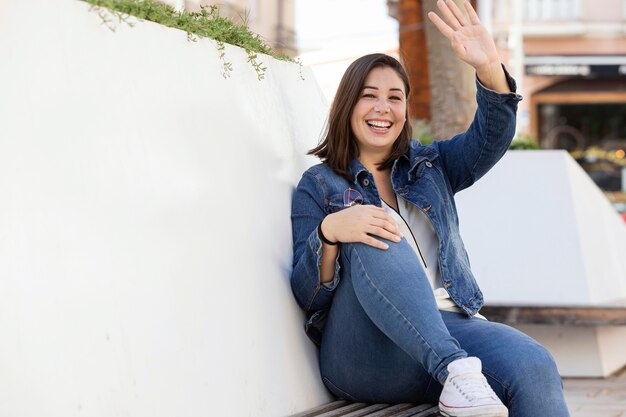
x,y
606,397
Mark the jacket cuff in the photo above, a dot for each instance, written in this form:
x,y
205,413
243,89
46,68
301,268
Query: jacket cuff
x,y
325,290
494,96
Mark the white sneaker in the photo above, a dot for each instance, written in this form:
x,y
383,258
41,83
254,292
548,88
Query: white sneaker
x,y
467,393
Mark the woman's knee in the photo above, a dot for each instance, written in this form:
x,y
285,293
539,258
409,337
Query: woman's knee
x,y
398,260
535,387
395,249
535,371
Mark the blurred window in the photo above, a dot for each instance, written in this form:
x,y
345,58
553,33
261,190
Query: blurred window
x,y
542,10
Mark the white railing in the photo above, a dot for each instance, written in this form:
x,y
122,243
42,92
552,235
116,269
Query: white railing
x,y
543,10
539,10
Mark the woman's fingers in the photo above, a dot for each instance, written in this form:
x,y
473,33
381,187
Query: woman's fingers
x,y
383,233
448,15
362,223
387,224
382,219
383,226
445,30
457,12
471,13
454,17
368,240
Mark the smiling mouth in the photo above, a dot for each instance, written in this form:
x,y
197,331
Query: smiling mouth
x,y
381,125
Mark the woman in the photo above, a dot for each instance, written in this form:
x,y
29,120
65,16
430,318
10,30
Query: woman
x,y
379,265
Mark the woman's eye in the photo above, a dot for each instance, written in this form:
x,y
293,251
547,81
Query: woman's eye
x,y
368,95
395,98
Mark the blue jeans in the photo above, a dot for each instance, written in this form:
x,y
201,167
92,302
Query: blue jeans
x,y
385,341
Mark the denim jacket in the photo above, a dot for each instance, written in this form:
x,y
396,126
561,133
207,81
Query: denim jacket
x,y
428,177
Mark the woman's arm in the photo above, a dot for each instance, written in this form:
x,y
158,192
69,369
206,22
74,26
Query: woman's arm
x,y
315,263
310,260
468,156
330,253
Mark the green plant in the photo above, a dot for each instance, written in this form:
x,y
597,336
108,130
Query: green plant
x,y
422,131
524,141
207,23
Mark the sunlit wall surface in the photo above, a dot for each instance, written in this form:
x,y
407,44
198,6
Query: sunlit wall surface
x,y
145,233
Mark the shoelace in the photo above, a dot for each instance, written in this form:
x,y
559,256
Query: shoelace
x,y
473,387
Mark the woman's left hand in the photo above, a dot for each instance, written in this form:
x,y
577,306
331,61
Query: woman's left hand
x,y
471,42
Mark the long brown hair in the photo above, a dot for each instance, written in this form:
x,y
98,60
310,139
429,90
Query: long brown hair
x,y
339,146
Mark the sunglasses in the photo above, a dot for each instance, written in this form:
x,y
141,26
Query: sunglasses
x,y
352,197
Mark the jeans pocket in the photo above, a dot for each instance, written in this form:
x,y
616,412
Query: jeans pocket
x,y
338,391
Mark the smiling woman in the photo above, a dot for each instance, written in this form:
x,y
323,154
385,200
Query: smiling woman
x,y
370,88
379,265
379,115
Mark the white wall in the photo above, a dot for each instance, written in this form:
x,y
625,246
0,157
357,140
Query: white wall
x,y
539,231
145,240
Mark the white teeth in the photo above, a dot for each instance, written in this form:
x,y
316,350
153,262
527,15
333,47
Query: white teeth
x,y
378,123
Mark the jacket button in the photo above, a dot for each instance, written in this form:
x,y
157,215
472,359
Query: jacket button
x,y
428,164
366,182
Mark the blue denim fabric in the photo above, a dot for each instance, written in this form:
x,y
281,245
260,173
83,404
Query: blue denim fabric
x,y
388,346
428,177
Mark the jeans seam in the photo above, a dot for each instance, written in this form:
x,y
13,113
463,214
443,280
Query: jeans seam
x,y
394,307
428,387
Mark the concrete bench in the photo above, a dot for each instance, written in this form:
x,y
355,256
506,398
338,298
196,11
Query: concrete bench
x,y
559,267
347,409
599,315
586,341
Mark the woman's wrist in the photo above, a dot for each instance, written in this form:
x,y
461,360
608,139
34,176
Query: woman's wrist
x,y
492,76
323,237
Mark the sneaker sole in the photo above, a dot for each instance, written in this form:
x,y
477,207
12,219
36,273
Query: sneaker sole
x,y
496,411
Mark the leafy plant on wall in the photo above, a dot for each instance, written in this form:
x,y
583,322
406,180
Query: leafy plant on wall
x,y
207,23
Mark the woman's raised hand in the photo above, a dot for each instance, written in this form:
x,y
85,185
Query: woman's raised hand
x,y
469,38
471,42
360,223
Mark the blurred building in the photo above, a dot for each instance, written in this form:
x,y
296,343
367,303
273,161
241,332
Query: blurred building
x,y
332,34
572,59
273,20
569,59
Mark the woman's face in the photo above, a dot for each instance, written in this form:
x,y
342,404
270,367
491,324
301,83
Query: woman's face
x,y
379,115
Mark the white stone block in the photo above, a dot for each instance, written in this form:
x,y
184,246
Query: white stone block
x,y
145,233
582,351
539,231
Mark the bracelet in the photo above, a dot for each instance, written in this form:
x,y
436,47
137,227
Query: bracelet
x,y
322,237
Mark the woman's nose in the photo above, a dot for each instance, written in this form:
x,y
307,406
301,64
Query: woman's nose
x,y
381,107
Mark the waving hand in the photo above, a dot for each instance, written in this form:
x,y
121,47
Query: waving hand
x,y
471,42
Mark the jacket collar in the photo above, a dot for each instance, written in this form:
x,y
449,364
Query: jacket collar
x,y
358,170
417,153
